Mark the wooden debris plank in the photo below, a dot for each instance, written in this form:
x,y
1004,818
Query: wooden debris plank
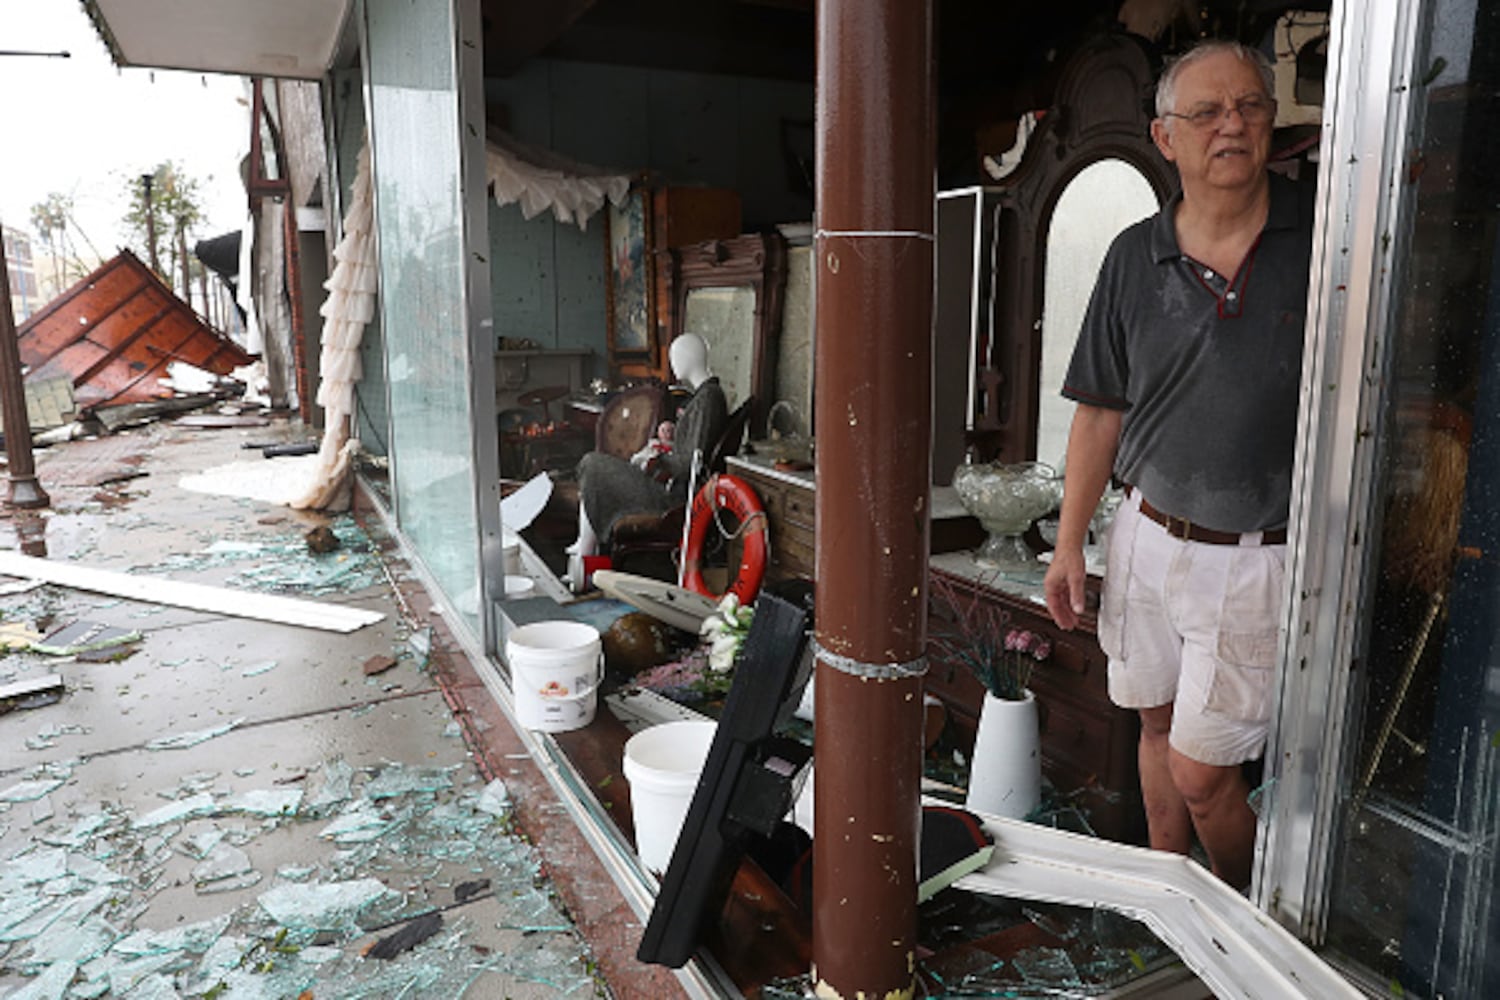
x,y
199,597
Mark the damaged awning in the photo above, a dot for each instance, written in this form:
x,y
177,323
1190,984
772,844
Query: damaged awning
x,y
221,255
113,334
279,38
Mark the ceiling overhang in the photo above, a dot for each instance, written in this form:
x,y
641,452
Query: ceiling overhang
x,y
269,38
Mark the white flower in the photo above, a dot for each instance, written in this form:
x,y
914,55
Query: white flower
x,y
725,630
721,654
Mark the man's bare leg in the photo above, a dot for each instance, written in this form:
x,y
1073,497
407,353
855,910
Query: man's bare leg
x,y
1167,817
1218,800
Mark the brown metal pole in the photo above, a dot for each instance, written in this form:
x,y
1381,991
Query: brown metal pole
x,y
146,182
874,255
187,275
24,491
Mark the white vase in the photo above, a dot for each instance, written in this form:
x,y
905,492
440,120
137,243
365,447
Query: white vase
x,y
1005,773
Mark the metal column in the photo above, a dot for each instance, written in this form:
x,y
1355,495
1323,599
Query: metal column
x,y
874,259
24,490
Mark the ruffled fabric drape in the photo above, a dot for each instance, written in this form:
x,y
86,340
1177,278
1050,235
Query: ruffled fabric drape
x,y
350,305
539,182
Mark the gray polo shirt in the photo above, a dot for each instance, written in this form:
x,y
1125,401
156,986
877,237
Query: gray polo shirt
x,y
1205,366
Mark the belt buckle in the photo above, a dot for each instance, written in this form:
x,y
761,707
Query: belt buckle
x,y
1179,527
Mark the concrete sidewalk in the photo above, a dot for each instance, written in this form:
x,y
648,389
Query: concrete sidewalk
x,y
231,808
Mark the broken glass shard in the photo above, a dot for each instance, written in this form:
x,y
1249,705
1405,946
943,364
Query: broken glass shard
x,y
265,802
338,779
198,845
50,985
395,779
1049,967
29,791
196,938
495,799
322,905
179,741
70,942
223,861
362,822
197,805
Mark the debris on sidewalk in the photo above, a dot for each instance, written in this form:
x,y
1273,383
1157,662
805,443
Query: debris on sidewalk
x,y
322,540
200,597
35,692
413,933
288,565
181,741
420,644
378,665
84,636
17,635
72,904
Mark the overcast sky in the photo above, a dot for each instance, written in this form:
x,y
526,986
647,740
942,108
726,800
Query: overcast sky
x,y
83,128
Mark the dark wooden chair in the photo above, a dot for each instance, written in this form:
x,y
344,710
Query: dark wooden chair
x,y
637,535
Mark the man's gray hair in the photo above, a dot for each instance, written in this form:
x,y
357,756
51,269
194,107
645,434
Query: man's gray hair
x,y
1166,87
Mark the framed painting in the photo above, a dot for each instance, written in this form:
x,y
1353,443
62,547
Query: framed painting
x,y
630,288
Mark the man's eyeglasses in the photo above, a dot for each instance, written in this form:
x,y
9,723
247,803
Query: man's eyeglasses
x,y
1252,111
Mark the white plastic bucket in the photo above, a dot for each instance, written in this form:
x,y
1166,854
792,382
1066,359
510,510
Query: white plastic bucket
x,y
662,765
554,672
510,546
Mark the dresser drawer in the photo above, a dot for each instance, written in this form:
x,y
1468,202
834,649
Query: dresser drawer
x,y
1076,736
799,508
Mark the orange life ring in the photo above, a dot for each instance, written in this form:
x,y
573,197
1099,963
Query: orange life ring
x,y
735,495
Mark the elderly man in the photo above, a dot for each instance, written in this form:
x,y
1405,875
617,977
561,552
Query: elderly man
x,y
1186,375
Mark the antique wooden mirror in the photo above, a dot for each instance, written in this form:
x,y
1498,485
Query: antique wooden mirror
x,y
1089,171
729,292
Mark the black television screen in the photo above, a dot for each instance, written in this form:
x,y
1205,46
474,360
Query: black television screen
x,y
746,787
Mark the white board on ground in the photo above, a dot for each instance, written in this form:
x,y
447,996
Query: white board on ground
x,y
198,596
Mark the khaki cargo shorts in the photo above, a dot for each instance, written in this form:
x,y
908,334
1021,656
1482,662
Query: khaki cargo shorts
x,y
1195,625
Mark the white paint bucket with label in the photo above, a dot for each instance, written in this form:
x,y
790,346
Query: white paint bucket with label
x,y
662,765
555,668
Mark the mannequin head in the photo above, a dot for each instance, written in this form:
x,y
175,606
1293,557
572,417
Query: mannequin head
x,y
689,357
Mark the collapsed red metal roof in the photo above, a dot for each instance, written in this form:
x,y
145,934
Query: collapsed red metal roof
x,y
114,333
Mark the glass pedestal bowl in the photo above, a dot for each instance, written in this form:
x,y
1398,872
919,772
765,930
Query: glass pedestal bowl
x,y
1007,499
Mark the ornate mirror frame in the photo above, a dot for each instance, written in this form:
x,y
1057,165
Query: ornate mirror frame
x,y
1102,111
757,262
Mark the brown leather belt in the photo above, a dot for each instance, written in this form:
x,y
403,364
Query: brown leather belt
x,y
1181,527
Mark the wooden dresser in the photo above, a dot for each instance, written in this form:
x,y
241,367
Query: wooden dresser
x,y
1088,744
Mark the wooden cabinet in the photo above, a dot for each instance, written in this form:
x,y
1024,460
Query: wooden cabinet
x,y
789,499
1088,744
681,216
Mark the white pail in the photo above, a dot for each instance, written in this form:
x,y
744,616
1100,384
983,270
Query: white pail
x,y
554,671
662,765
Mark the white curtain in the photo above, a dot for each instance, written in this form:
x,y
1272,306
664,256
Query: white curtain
x,y
349,306
539,181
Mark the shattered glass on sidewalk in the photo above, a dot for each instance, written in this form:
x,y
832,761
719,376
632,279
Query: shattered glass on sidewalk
x,y
70,901
286,566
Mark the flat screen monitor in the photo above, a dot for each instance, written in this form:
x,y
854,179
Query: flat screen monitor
x,y
747,785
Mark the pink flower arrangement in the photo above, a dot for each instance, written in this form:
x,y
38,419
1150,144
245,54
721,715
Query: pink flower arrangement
x,y
1020,640
977,635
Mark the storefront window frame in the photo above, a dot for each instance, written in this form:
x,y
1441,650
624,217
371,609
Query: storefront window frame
x,y
1362,203
468,614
